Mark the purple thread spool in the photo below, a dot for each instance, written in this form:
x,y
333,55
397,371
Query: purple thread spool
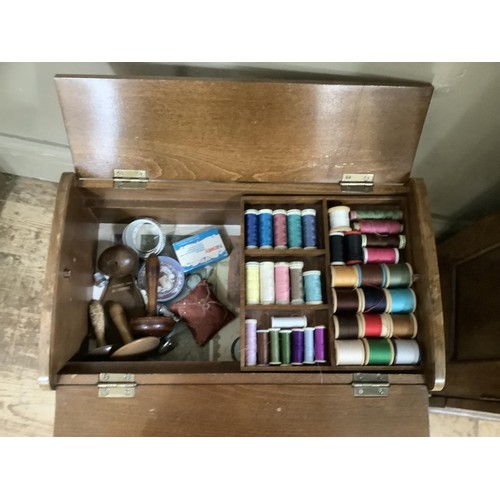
x,y
251,228
297,346
280,229
251,342
309,239
319,344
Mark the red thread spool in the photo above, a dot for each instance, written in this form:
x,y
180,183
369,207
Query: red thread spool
x,y
378,226
373,325
380,255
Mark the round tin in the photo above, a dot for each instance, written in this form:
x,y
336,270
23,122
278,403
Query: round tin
x,y
170,281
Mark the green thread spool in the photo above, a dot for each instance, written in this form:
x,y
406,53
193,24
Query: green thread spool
x,y
275,346
378,352
398,275
376,214
285,346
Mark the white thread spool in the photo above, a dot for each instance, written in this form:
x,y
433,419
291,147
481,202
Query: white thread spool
x,y
407,352
339,218
349,352
267,295
288,322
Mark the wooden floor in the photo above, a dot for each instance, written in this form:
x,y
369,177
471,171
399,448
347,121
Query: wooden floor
x,y
26,210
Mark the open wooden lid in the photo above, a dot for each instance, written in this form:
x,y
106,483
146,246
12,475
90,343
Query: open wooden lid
x,y
241,131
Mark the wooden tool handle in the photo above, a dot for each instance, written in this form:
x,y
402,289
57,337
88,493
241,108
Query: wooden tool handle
x,y
152,275
120,320
97,318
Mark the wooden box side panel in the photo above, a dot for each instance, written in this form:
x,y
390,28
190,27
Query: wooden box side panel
x,y
69,280
184,129
427,286
242,410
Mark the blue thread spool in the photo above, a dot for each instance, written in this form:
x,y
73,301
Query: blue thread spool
x,y
312,287
376,300
251,228
309,345
309,238
294,228
266,228
297,346
401,300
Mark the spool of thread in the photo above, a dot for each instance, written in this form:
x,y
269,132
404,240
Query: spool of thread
x,y
275,346
378,352
282,282
250,342
398,275
262,347
252,278
339,218
376,214
294,228
267,295
279,229
285,347
296,282
309,345
312,287
336,248
265,228
251,228
349,352
348,326
378,226
288,322
404,326
297,346
347,300
319,344
401,300
407,352
345,276
380,255
376,300
372,275
353,253
377,325
309,237
383,240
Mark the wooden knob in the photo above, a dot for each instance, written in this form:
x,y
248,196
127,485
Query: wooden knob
x,y
120,320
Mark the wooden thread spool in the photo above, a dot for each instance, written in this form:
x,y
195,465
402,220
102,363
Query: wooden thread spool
x,y
347,300
407,352
345,276
152,324
404,326
349,352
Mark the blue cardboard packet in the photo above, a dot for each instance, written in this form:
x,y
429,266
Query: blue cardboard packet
x,y
200,250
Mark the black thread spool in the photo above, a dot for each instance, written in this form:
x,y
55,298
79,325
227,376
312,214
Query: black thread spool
x,y
336,248
346,300
353,252
375,300
347,326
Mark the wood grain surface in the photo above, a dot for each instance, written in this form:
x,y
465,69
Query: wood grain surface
x,y
242,131
26,210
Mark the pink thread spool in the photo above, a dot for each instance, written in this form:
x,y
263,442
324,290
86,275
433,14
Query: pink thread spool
x,y
380,255
282,282
280,229
378,226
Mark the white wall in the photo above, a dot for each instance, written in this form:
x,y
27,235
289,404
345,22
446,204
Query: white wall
x,y
458,155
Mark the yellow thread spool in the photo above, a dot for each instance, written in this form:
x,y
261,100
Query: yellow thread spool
x,y
252,274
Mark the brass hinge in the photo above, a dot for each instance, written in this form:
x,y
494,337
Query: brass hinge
x,y
357,182
116,385
370,384
127,179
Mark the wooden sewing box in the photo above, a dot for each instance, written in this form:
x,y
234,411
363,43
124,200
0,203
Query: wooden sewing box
x,y
200,152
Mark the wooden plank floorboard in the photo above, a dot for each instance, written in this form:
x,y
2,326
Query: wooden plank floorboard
x,y
26,210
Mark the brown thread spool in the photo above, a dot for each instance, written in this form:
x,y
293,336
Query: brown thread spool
x,y
345,276
383,241
404,326
348,326
262,347
372,275
347,300
296,283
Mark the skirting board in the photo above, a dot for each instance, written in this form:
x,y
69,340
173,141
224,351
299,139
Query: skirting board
x,y
37,159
